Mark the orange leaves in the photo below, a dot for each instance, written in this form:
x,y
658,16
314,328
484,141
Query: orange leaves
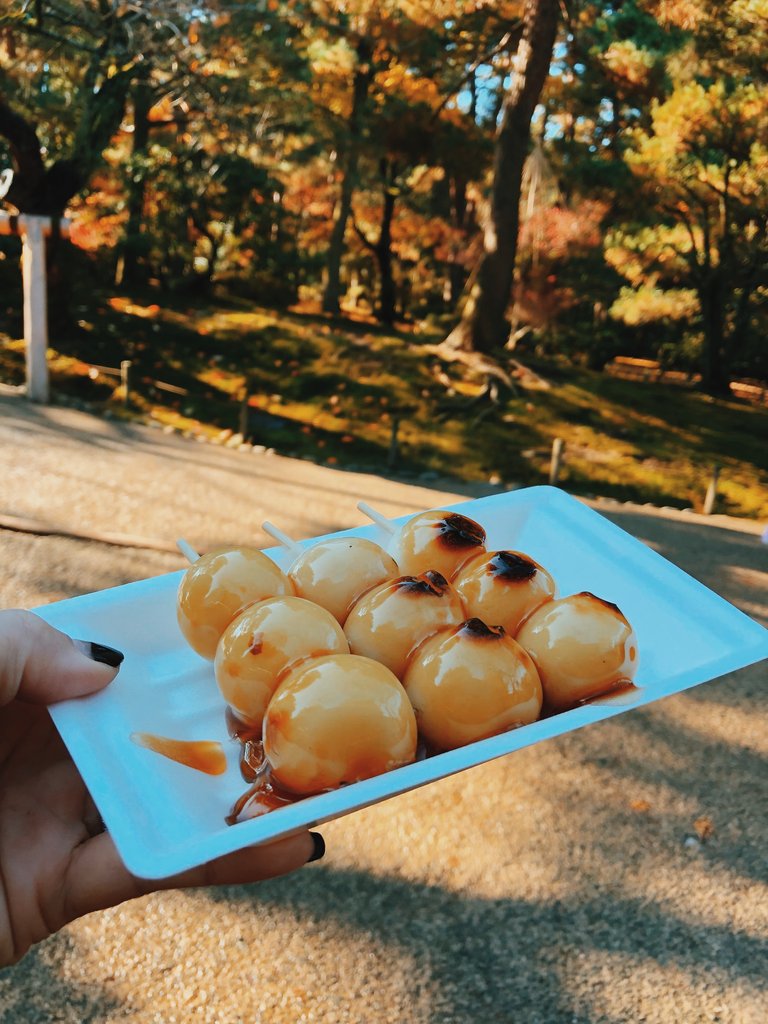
x,y
125,306
162,110
684,14
560,231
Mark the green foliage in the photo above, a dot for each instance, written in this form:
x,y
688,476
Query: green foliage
x,y
209,144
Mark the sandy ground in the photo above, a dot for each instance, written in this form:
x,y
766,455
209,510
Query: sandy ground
x,y
564,884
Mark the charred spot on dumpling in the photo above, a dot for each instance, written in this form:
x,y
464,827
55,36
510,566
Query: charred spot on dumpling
x,y
430,582
256,645
601,600
479,630
456,531
512,567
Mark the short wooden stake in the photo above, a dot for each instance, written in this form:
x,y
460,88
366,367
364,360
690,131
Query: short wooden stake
x,y
554,464
711,499
125,380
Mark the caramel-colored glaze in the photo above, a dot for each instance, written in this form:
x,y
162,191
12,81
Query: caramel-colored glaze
x,y
503,587
623,693
471,682
336,720
218,587
390,620
334,573
582,646
264,794
203,755
262,797
262,642
437,540
252,759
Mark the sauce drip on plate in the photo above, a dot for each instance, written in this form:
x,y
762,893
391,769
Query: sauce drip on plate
x,y
203,755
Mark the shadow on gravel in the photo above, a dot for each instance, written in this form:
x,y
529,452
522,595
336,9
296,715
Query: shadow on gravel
x,y
118,437
504,960
710,553
686,761
32,988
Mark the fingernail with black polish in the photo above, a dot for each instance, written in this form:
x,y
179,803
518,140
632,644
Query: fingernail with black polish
x,y
318,844
102,653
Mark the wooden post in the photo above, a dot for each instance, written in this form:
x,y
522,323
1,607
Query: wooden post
x,y
33,230
125,381
711,498
554,463
35,308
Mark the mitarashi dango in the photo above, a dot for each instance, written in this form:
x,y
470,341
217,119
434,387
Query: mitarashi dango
x,y
220,585
503,587
437,540
390,620
335,720
471,682
583,647
335,572
262,642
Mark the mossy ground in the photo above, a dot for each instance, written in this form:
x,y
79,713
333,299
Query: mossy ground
x,y
330,390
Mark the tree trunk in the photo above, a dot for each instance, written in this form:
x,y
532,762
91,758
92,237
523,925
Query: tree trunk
x,y
484,326
131,271
457,274
714,377
349,161
35,188
383,251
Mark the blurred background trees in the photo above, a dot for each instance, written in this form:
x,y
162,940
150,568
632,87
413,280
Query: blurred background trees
x,y
376,156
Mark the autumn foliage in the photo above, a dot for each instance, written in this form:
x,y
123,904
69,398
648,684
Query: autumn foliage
x,y
343,154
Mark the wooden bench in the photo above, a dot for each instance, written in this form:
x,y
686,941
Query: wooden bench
x,y
634,369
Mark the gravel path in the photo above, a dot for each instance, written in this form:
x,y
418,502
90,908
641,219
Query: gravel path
x,y
566,884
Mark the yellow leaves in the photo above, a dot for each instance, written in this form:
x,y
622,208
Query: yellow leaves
x,y
647,304
705,138
336,60
399,79
627,61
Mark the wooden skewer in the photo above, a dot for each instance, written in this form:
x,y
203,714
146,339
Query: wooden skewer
x,y
187,550
376,517
282,538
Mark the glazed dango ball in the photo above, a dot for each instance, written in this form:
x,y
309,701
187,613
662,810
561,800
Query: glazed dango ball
x,y
262,642
335,572
503,587
390,620
335,720
220,585
582,647
471,682
437,540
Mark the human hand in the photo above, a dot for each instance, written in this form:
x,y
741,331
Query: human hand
x,y
56,861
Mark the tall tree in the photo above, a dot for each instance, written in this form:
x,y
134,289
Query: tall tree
x,y
57,122
484,326
696,250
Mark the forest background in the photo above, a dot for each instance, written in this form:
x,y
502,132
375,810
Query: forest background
x,y
443,212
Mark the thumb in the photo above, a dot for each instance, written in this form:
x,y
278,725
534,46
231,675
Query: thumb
x,y
41,665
